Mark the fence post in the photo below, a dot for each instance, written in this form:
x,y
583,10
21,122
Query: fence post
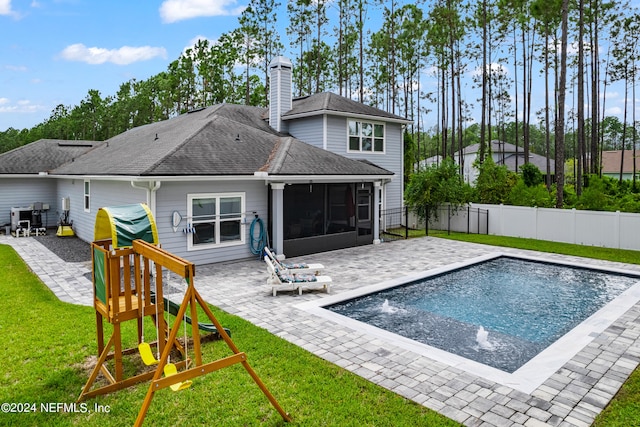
x,y
426,220
448,219
487,222
406,222
468,219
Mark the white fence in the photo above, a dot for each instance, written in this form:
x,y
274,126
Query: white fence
x,y
606,229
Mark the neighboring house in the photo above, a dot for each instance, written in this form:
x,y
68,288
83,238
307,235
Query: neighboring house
x,y
502,153
611,164
316,170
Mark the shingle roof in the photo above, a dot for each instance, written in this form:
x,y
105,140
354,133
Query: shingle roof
x,y
496,147
509,150
324,102
225,139
293,157
43,155
611,161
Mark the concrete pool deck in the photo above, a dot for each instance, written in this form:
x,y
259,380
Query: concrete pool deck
x,y
573,395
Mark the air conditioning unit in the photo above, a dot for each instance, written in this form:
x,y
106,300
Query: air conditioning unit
x,y
20,216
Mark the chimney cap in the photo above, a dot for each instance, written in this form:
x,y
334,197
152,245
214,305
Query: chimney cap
x,y
280,61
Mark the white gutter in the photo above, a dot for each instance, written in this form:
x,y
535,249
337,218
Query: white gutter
x,y
151,187
369,117
257,176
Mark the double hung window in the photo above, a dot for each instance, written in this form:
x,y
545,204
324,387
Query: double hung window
x,y
366,136
215,220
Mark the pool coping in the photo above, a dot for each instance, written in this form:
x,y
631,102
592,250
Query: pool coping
x,y
529,376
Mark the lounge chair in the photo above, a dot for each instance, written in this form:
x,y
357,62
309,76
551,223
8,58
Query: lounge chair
x,y
284,280
294,268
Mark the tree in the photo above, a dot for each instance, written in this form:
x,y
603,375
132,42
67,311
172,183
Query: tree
x,y
434,186
494,182
562,89
258,22
299,30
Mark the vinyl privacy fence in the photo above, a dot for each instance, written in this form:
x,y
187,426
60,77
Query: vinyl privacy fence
x,y
618,230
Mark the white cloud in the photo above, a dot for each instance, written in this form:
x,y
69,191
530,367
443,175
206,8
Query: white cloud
x,y
495,68
192,43
22,106
122,56
613,111
5,7
178,10
610,95
17,68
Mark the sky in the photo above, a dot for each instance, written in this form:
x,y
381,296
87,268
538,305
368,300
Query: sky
x,y
54,51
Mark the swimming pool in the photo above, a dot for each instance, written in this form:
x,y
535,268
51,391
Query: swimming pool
x,y
474,316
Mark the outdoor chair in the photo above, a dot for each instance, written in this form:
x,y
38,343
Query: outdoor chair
x,y
282,279
294,268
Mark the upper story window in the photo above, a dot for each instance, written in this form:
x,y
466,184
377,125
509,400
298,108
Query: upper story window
x,y
216,220
366,136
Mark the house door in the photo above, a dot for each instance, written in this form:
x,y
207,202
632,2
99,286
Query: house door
x,y
364,215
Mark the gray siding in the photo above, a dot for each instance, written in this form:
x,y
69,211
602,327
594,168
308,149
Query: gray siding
x,y
103,193
23,192
308,130
172,196
391,159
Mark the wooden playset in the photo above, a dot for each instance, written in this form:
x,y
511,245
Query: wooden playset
x,y
128,276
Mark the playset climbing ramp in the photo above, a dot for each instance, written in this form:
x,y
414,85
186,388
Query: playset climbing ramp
x,y
127,280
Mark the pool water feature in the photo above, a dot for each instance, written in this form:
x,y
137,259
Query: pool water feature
x,y
500,312
512,320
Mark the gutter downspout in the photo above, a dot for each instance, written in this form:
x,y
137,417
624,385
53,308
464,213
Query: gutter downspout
x,y
151,187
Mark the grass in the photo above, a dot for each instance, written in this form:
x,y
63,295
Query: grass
x,y
624,409
49,348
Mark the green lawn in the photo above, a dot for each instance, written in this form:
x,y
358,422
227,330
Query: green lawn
x,y
49,348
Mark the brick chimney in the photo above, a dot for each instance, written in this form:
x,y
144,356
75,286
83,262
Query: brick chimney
x,y
280,91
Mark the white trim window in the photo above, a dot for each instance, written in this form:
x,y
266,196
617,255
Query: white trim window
x,y
87,195
367,137
215,219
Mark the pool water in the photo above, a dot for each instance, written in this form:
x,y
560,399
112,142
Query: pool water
x,y
501,312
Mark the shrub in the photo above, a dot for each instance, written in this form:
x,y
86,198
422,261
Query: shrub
x,y
531,175
434,186
494,182
523,195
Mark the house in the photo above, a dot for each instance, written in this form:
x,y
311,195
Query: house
x,y
502,153
611,164
316,170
